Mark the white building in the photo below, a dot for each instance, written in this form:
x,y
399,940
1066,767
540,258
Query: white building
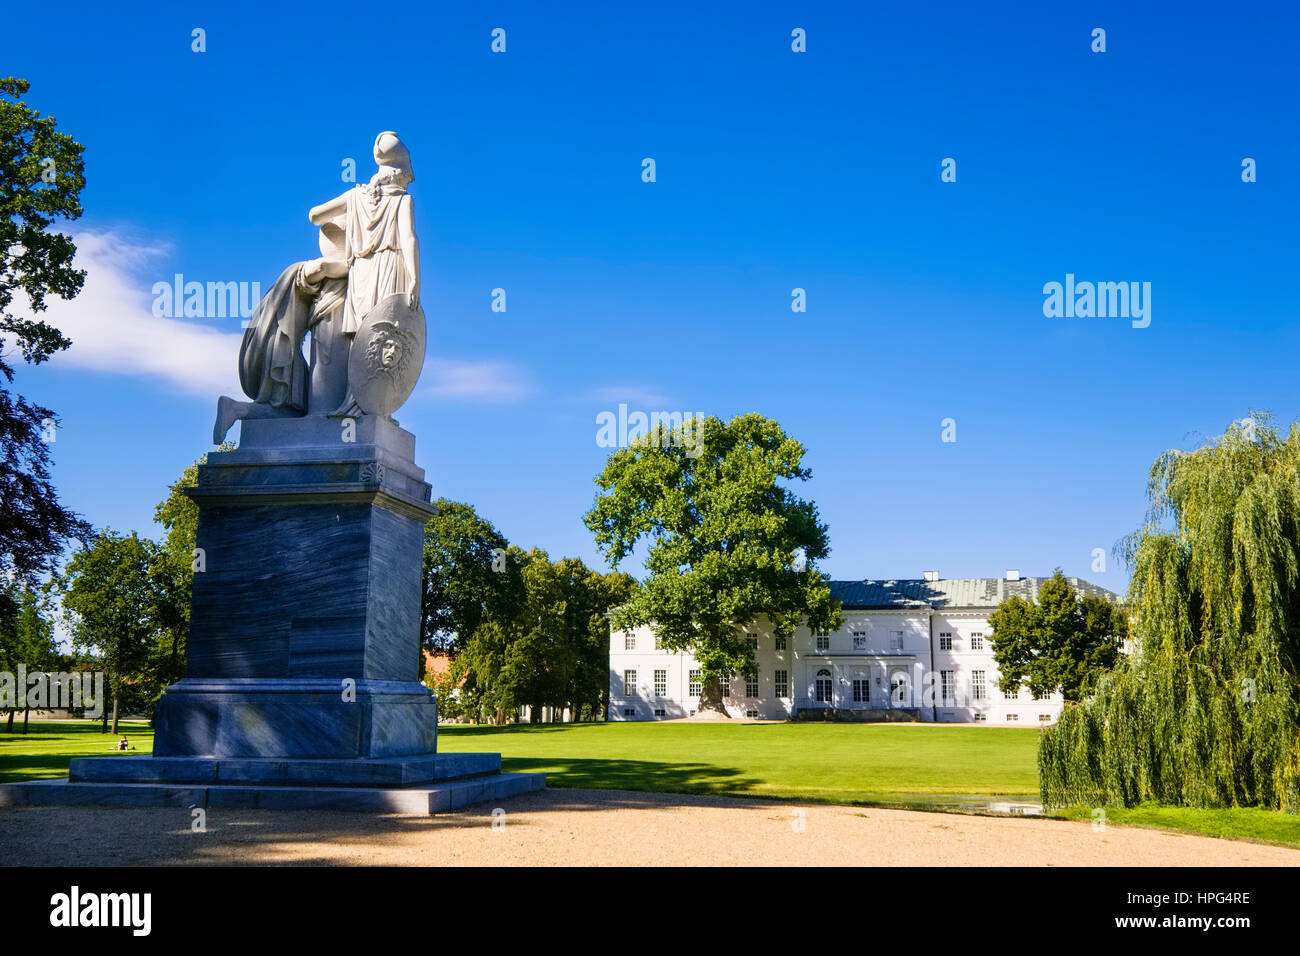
x,y
914,649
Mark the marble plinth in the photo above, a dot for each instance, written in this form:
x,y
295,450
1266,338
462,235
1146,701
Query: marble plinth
x,y
301,685
304,626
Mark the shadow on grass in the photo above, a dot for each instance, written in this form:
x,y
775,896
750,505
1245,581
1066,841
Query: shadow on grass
x,y
605,773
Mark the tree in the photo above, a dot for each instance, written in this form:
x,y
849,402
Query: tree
x,y
109,596
171,574
468,576
41,178
1061,642
446,691
588,598
550,650
1207,713
728,543
26,638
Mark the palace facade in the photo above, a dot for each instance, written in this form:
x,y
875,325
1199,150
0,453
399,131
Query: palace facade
x,y
913,649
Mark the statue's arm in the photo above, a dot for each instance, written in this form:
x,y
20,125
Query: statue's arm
x,y
410,250
323,213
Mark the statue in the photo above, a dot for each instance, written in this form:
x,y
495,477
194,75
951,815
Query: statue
x,y
364,288
301,687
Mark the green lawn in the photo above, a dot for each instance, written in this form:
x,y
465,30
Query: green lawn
x,y
840,763
44,750
1243,823
916,765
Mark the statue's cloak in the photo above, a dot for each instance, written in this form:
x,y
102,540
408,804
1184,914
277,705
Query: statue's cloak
x,y
272,369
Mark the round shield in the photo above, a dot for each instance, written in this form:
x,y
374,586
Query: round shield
x,y
387,356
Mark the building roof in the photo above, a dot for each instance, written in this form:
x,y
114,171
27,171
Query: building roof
x,y
951,593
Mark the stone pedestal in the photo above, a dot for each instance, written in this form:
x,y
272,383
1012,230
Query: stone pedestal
x,y
304,628
301,682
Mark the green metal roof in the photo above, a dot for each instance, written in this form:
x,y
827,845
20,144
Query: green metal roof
x,y
949,593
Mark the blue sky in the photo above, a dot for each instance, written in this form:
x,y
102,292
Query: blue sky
x,y
775,170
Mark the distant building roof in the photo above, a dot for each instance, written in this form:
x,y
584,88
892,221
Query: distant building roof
x,y
949,593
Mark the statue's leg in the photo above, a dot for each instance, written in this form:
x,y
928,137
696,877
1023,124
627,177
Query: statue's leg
x,y
230,411
329,364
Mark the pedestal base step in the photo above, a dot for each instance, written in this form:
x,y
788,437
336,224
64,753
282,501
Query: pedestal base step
x,y
285,771
437,797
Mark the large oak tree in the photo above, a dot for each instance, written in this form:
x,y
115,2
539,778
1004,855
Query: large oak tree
x,y
729,542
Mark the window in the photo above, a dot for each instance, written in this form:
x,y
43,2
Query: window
x,y
725,684
661,683
947,687
1013,716
1044,717
977,640
629,711
1043,695
629,641
945,640
899,688
861,691
629,683
751,714
980,718
780,642
660,712
658,646
859,640
782,682
896,641
696,685
978,686
823,642
753,642
823,686
1011,694
751,686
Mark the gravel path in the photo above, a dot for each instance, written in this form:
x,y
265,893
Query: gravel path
x,y
560,827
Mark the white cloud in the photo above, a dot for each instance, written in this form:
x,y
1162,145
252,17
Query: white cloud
x,y
113,328
468,380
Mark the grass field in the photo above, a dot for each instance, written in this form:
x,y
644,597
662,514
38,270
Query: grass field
x,y
836,763
915,765
48,744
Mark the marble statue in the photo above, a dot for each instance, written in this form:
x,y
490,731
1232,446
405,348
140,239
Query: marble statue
x,y
369,263
301,688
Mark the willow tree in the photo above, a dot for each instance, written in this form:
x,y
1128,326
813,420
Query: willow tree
x,y
729,543
1206,712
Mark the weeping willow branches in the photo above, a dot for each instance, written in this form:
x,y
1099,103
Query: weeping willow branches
x,y
1206,712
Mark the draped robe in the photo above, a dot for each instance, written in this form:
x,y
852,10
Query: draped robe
x,y
272,369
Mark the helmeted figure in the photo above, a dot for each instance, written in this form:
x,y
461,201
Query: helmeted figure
x,y
368,253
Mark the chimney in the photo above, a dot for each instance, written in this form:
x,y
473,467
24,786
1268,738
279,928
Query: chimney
x,y
932,575
1013,575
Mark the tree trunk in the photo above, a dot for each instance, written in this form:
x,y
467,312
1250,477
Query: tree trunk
x,y
114,715
10,728
25,713
711,700
103,718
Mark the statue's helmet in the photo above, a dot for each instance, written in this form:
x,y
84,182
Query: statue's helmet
x,y
391,151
